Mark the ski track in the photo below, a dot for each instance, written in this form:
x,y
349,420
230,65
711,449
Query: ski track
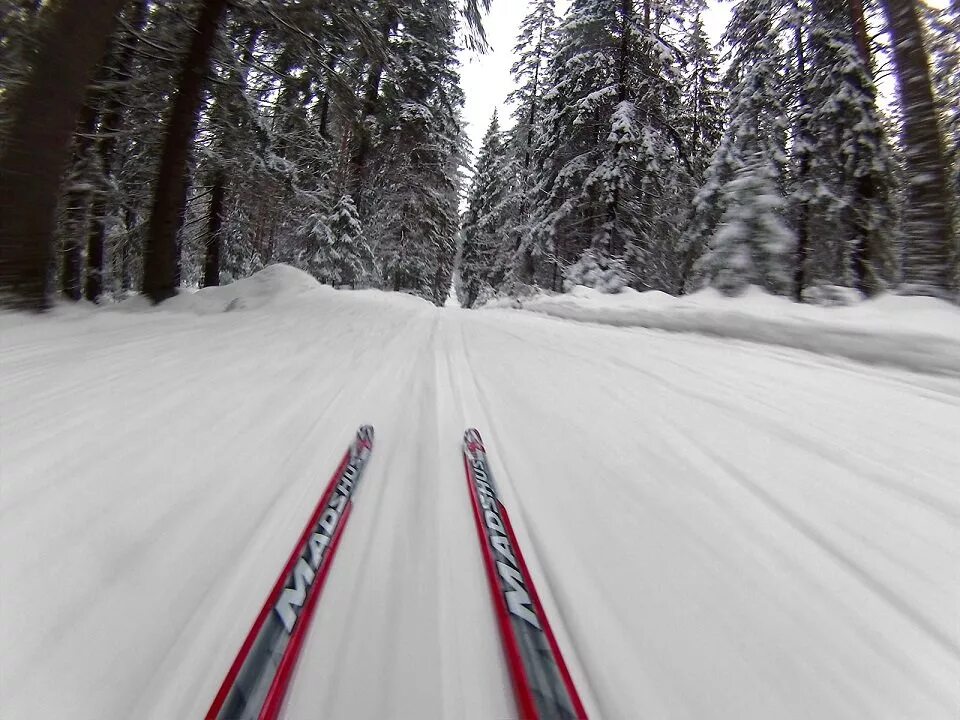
x,y
717,529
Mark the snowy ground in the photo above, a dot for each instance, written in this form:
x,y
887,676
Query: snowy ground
x,y
720,529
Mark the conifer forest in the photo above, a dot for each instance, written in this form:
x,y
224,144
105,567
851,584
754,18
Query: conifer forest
x,y
146,146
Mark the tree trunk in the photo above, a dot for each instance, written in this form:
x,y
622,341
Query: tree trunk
x,y
126,271
71,282
803,171
161,253
211,264
72,38
109,127
76,204
926,222
371,96
865,188
623,63
859,24
528,267
325,98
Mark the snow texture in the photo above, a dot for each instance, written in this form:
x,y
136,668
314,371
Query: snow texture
x,y
718,529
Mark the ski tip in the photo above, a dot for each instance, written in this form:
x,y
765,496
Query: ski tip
x,y
365,435
472,442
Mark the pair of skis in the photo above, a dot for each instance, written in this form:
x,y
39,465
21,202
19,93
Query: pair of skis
x,y
256,683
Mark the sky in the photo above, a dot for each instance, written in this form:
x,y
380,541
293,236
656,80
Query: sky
x,y
486,78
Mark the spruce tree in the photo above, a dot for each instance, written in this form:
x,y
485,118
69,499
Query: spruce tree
x,y
345,258
702,96
850,171
752,244
612,158
755,136
483,230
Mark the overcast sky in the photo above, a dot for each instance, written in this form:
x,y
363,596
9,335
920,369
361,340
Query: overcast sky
x,y
486,78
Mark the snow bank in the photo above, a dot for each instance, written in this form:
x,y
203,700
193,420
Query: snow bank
x,y
915,333
272,284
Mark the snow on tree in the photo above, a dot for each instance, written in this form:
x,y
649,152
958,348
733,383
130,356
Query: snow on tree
x,y
305,101
485,251
848,182
700,119
536,42
610,156
344,257
597,270
757,129
752,244
413,191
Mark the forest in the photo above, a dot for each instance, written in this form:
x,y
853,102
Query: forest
x,y
148,146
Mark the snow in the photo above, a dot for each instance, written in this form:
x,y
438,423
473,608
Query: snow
x,y
718,529
913,333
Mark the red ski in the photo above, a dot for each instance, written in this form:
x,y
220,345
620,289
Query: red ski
x,y
256,683
541,681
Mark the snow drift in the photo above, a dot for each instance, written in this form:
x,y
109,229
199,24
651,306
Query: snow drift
x,y
914,333
273,284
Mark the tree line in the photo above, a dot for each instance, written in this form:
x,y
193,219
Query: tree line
x,y
147,144
641,156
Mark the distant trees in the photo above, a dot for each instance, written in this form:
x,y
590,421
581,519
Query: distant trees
x,y
145,145
486,247
197,139
633,163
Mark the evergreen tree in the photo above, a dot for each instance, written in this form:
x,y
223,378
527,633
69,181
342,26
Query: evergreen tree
x,y
485,240
755,136
414,191
850,170
701,112
752,244
344,258
536,42
611,154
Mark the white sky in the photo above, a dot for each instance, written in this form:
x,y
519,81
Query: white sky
x,y
486,78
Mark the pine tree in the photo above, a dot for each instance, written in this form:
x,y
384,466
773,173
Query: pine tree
x,y
485,239
944,44
161,254
304,101
850,167
752,244
116,96
413,193
611,156
535,44
344,258
702,98
756,136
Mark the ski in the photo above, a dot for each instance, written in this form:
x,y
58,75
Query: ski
x,y
542,684
255,685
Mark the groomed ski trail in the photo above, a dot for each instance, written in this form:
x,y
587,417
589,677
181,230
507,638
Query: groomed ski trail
x,y
717,529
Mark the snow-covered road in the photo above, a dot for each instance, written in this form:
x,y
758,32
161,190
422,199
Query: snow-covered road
x,y
718,529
